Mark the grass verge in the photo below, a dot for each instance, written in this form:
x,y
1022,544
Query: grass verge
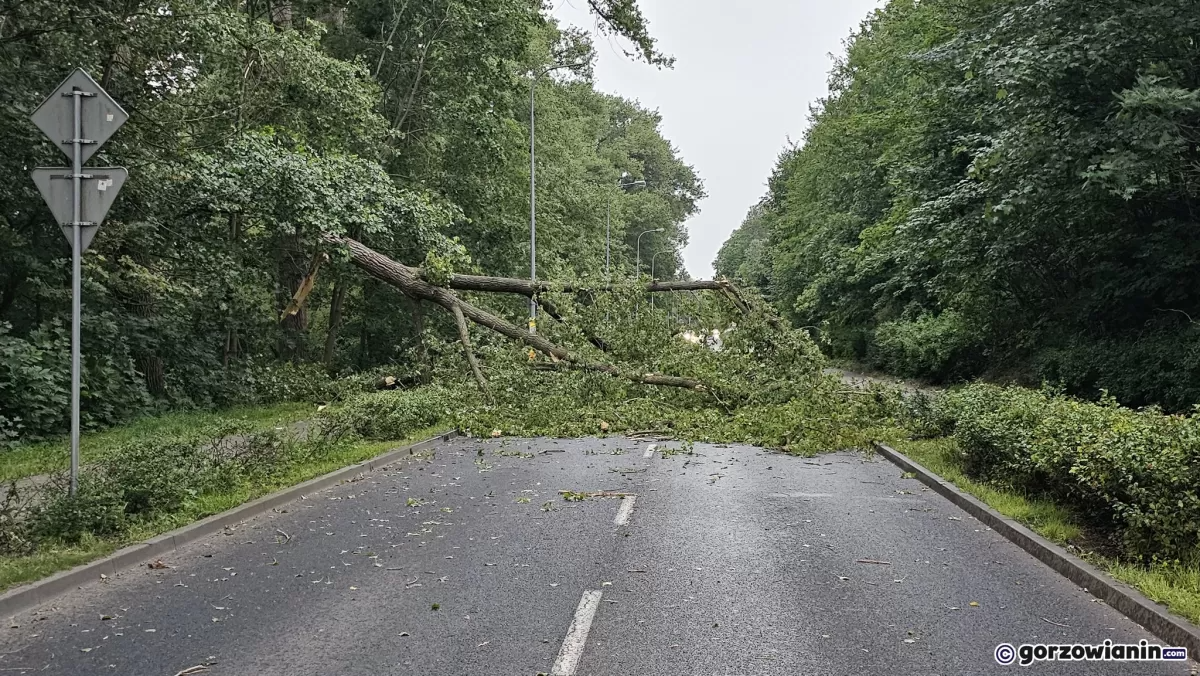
x,y
50,456
15,570
1174,584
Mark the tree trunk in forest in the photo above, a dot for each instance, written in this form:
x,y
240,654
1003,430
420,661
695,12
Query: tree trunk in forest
x,y
340,288
11,286
231,332
147,361
364,338
335,321
281,13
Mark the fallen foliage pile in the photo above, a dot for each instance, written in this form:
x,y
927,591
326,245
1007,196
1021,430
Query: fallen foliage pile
x,y
763,386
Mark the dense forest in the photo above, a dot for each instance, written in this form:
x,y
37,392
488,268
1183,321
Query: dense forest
x,y
999,188
256,127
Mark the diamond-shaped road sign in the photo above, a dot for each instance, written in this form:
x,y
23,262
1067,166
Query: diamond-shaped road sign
x,y
98,190
100,116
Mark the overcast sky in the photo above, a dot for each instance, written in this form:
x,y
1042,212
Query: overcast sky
x,y
745,74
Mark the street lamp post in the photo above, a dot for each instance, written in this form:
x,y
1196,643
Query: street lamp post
x,y
652,277
608,227
655,257
533,190
638,269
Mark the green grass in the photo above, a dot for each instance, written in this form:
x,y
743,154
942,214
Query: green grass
x,y
1176,585
50,456
15,570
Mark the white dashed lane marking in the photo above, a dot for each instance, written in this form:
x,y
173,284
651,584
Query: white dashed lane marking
x,y
577,633
625,510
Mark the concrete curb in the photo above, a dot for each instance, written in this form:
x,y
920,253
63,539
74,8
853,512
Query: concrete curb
x,y
36,593
1131,603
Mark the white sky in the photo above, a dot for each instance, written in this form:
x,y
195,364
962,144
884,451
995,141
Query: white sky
x,y
745,74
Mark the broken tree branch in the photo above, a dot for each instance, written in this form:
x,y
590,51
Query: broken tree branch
x,y
306,286
551,310
465,336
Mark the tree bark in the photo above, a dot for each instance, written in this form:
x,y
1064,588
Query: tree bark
x,y
408,281
335,321
335,313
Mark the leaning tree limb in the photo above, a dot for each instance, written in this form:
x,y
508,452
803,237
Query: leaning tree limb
x,y
408,280
465,336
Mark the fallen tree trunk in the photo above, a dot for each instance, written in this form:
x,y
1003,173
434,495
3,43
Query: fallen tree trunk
x,y
643,378
526,287
532,289
408,280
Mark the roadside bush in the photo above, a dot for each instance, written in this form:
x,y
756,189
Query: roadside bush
x,y
97,509
1159,365
994,427
32,395
35,383
161,476
272,383
148,479
935,347
1139,470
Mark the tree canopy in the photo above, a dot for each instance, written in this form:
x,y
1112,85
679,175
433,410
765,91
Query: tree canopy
x,y
1000,187
258,127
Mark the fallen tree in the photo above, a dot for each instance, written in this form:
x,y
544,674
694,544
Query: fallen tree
x,y
412,282
527,287
533,289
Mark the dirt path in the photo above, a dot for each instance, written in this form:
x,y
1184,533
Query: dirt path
x,y
863,380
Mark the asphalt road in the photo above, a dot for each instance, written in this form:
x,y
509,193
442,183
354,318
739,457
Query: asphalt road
x,y
729,561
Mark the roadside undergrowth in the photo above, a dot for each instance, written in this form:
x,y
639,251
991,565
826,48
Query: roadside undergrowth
x,y
143,487
1023,451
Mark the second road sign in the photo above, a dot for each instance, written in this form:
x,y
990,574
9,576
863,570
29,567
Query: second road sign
x,y
98,190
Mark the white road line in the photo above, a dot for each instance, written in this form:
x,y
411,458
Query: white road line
x,y
625,510
577,633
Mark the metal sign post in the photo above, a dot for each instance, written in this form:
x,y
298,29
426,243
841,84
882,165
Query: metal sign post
x,y
78,207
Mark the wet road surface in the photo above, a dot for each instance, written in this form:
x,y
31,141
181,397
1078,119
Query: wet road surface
x,y
731,560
